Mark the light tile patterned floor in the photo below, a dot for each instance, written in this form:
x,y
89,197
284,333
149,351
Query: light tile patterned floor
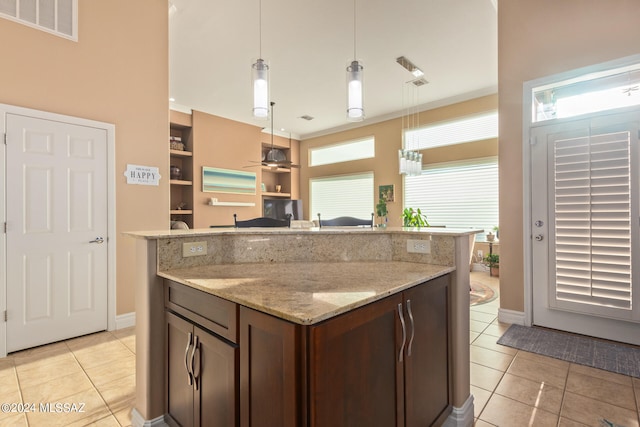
x,y
96,370
517,388
511,388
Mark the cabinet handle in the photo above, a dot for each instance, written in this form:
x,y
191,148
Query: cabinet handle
x,y
404,333
413,327
193,358
186,360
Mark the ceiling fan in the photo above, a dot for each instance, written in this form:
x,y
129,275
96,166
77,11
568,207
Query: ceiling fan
x,y
274,157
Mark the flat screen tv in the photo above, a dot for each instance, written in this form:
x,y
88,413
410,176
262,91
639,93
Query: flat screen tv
x,y
279,208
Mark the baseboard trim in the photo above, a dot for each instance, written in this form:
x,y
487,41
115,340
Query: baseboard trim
x,y
461,417
125,320
510,316
138,421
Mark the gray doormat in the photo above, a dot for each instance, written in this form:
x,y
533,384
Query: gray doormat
x,y
619,358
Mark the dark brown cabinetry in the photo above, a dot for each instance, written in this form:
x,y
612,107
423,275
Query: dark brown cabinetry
x,y
202,368
270,371
384,364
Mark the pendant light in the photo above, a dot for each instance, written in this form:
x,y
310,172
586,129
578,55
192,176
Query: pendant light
x,y
260,77
355,103
410,162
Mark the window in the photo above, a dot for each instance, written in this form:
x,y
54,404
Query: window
x,y
57,17
457,194
343,152
344,195
588,93
467,129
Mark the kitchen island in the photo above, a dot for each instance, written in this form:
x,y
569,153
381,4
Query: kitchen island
x,y
306,327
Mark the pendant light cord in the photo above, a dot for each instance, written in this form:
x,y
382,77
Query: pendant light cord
x,y
260,28
355,58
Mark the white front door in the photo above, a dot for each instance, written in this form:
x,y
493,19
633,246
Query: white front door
x,y
56,230
585,226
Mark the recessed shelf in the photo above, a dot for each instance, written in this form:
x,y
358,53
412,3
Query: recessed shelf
x,y
275,170
180,182
231,204
180,153
181,212
274,194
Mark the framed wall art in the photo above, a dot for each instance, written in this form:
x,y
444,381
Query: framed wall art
x,y
216,180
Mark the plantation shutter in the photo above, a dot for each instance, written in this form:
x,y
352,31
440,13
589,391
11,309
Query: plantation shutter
x,y
593,222
345,195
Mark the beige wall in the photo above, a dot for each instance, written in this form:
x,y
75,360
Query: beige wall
x,y
537,39
388,140
227,144
117,73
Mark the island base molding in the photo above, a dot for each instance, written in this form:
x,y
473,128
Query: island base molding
x,y
138,420
461,417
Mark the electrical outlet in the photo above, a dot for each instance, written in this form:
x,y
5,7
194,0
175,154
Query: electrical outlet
x,y
194,249
419,246
480,254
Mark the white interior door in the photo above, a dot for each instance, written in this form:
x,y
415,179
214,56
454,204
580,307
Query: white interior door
x,y
56,231
585,248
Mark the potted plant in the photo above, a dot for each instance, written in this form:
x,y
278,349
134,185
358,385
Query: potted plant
x,y
414,218
493,262
381,211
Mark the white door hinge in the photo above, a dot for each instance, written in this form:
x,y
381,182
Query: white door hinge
x,y
5,139
5,227
6,317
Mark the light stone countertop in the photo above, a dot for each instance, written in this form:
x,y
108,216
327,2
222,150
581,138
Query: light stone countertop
x,y
306,292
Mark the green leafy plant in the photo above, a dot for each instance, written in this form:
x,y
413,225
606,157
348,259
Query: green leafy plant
x,y
414,218
381,208
492,260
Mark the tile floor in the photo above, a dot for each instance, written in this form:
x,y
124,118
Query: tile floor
x,y
511,388
96,370
518,388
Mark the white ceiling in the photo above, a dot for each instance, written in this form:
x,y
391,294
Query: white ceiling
x,y
308,45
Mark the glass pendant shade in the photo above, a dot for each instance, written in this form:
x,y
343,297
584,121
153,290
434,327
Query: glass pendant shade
x,y
260,74
409,162
355,108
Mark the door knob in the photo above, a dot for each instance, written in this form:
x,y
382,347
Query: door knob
x,y
539,223
97,240
539,237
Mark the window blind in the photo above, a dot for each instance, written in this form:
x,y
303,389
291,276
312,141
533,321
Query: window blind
x,y
457,194
345,195
592,219
342,152
466,129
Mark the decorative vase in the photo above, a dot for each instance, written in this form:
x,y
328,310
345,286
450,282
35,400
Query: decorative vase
x,y
490,236
175,172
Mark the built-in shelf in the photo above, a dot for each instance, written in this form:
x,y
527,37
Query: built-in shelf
x,y
180,182
181,212
231,204
180,153
275,170
274,194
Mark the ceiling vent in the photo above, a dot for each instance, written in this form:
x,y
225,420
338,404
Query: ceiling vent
x,y
306,117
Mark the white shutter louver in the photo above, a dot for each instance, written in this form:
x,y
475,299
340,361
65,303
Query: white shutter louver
x,y
592,183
